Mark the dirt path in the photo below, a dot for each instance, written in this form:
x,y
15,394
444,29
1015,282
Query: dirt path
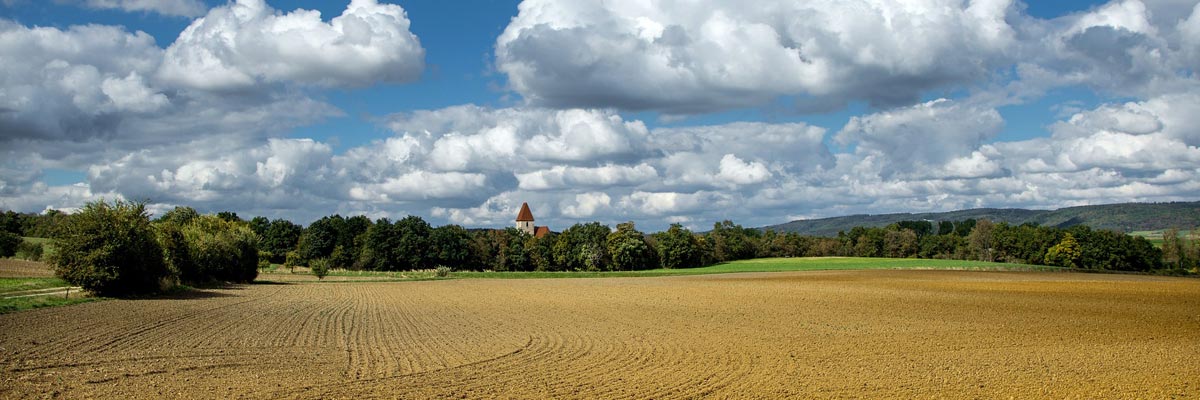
x,y
810,334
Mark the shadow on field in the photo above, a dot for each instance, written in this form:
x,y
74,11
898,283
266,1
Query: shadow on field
x,y
269,283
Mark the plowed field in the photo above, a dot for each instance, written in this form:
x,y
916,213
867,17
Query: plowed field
x,y
906,334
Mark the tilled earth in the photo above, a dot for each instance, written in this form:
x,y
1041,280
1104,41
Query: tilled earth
x,y
951,334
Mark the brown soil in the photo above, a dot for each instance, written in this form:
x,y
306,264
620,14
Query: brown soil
x,y
811,334
16,268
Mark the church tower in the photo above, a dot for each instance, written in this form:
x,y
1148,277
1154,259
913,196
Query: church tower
x,y
525,219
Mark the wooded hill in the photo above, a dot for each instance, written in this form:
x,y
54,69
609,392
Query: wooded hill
x,y
1126,217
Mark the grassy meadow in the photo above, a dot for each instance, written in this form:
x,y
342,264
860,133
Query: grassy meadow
x,y
753,265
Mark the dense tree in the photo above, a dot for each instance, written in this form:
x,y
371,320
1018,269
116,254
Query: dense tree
x,y
280,237
1179,252
945,228
1026,243
110,250
540,252
678,248
8,243
179,216
900,242
229,216
320,237
451,246
341,258
964,228
1108,250
979,241
213,249
260,225
732,242
413,250
628,249
919,228
378,245
1064,254
943,246
582,247
12,222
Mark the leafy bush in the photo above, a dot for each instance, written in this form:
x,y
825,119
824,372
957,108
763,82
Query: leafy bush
x,y
264,257
110,250
443,271
208,248
8,244
293,260
319,267
30,251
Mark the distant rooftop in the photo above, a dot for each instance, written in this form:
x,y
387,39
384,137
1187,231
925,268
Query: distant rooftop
x,y
525,214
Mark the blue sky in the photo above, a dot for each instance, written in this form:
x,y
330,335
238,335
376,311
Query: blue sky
x,y
640,111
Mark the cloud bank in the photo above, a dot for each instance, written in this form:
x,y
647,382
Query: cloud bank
x,y
209,120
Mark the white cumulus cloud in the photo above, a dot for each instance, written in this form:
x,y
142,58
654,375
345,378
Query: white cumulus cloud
x,y
247,43
715,54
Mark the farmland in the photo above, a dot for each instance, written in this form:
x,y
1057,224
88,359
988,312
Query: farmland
x,y
902,333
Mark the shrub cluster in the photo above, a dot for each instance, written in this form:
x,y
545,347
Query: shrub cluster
x,y
110,250
206,248
8,243
114,249
30,251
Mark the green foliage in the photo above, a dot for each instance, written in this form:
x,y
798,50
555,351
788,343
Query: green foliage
x,y
293,260
628,248
28,224
30,250
443,271
582,247
1065,254
1179,252
8,243
540,252
949,246
260,225
451,246
264,262
280,237
403,245
208,248
110,250
413,248
179,216
732,242
979,241
319,267
320,238
12,222
1109,250
229,216
678,248
900,242
340,258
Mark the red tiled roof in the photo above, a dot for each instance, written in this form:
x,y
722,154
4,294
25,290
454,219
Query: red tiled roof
x,y
540,231
525,214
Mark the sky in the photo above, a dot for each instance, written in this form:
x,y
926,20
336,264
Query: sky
x,y
658,112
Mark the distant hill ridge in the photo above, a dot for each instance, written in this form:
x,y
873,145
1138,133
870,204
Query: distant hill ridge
x,y
1125,217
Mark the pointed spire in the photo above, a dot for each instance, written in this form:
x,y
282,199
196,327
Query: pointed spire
x,y
525,214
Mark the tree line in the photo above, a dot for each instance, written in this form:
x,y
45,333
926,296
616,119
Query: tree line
x,y
96,246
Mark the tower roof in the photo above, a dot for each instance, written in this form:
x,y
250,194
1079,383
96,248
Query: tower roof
x,y
525,214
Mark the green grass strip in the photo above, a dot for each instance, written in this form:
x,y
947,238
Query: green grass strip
x,y
10,285
29,303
